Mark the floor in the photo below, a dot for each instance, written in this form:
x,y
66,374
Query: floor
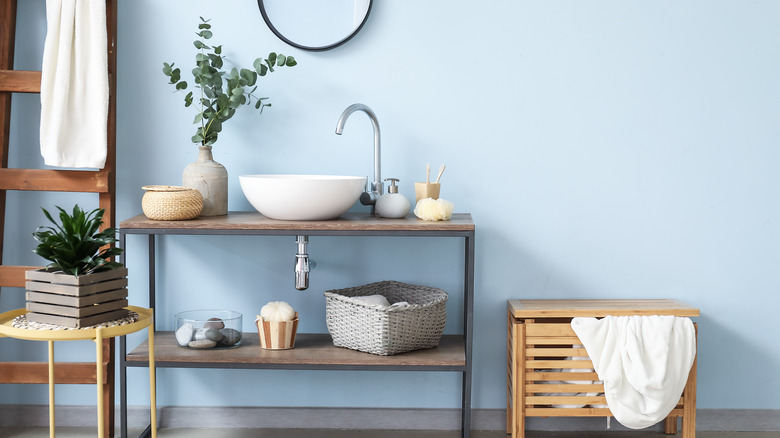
x,y
81,432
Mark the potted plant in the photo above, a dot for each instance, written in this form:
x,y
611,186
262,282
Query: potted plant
x,y
220,94
81,286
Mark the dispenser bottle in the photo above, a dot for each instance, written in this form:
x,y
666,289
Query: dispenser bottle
x,y
392,205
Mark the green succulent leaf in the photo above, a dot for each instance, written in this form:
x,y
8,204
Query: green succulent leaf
x,y
75,245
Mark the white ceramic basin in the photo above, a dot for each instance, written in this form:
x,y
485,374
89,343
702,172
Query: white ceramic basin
x,y
302,197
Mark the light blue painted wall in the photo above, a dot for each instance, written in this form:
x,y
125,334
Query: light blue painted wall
x,y
607,149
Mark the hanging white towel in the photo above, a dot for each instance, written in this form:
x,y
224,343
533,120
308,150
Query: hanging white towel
x,y
74,84
643,361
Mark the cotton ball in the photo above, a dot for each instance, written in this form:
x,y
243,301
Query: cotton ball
x,y
276,311
429,209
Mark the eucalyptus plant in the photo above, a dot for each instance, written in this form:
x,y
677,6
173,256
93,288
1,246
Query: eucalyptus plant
x,y
76,246
221,93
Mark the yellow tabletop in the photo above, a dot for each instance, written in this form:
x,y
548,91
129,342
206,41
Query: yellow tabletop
x,y
7,329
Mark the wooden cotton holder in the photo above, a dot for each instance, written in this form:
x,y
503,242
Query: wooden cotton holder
x,y
277,335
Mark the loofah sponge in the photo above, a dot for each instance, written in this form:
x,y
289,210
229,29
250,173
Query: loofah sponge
x,y
430,209
276,311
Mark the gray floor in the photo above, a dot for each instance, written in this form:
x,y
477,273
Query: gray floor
x,y
81,432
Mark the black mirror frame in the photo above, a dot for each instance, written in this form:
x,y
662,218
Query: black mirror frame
x,y
309,48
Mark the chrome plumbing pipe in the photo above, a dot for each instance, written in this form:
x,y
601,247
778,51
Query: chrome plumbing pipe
x,y
302,266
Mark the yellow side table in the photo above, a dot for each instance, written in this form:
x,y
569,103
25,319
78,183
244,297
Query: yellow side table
x,y
95,334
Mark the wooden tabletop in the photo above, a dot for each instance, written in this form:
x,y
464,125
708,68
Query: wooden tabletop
x,y
250,220
598,308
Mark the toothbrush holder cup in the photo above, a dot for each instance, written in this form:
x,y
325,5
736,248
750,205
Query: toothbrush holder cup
x,y
424,190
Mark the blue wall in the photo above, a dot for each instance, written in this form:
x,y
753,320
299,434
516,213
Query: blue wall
x,y
607,149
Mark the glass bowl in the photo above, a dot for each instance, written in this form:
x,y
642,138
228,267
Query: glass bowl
x,y
208,329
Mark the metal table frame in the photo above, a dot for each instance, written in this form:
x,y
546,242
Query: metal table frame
x,y
468,309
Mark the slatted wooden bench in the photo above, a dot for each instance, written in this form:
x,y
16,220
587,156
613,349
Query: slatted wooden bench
x,y
549,374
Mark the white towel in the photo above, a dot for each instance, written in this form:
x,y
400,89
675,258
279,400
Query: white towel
x,y
644,362
74,84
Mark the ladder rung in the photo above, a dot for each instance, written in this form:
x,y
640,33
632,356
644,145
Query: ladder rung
x,y
54,180
37,372
20,81
13,276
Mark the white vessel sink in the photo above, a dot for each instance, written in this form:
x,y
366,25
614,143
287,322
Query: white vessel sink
x,y
302,197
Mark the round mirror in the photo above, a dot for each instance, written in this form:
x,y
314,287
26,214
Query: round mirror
x,y
315,24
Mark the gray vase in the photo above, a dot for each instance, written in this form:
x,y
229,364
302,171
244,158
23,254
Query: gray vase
x,y
211,180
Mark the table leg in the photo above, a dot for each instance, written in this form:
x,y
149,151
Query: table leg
x,y
51,389
152,381
99,366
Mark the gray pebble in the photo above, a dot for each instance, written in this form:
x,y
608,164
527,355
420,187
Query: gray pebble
x,y
214,323
214,335
230,337
204,343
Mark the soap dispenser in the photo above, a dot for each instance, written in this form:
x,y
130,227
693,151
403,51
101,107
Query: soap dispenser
x,y
392,205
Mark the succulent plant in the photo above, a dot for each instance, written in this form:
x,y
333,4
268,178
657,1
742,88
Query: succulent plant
x,y
76,246
221,93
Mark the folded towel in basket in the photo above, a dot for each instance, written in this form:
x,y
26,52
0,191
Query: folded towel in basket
x,y
644,362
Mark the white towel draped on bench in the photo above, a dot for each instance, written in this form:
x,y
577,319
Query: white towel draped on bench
x,y
644,362
74,84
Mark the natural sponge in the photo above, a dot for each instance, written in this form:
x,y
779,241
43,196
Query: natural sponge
x,y
276,311
430,209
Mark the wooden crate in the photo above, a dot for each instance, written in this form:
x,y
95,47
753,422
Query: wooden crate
x,y
76,301
549,373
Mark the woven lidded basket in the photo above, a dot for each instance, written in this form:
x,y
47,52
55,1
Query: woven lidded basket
x,y
171,203
386,331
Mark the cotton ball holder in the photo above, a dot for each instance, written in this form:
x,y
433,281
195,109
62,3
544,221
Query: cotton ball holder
x,y
277,325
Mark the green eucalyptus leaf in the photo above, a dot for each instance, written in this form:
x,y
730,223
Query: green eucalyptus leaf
x,y
291,62
271,58
206,34
204,26
167,68
181,85
280,60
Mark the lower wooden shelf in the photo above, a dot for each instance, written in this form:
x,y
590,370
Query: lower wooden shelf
x,y
312,351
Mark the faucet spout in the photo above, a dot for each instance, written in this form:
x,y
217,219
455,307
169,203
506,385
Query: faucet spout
x,y
377,186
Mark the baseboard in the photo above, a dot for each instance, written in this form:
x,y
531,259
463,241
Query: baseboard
x,y
742,420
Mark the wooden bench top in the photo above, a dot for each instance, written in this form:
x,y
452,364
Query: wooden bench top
x,y
598,308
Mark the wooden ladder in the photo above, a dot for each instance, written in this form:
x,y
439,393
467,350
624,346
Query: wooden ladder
x,y
101,182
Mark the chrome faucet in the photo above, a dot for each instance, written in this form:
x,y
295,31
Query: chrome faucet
x,y
369,197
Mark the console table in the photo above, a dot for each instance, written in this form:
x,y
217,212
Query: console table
x,y
312,351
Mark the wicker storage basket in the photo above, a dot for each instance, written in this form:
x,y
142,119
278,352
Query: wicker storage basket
x,y
386,331
171,203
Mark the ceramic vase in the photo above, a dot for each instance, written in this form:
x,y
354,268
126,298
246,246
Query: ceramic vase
x,y
211,180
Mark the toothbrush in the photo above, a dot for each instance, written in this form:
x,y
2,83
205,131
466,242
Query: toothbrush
x,y
440,172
